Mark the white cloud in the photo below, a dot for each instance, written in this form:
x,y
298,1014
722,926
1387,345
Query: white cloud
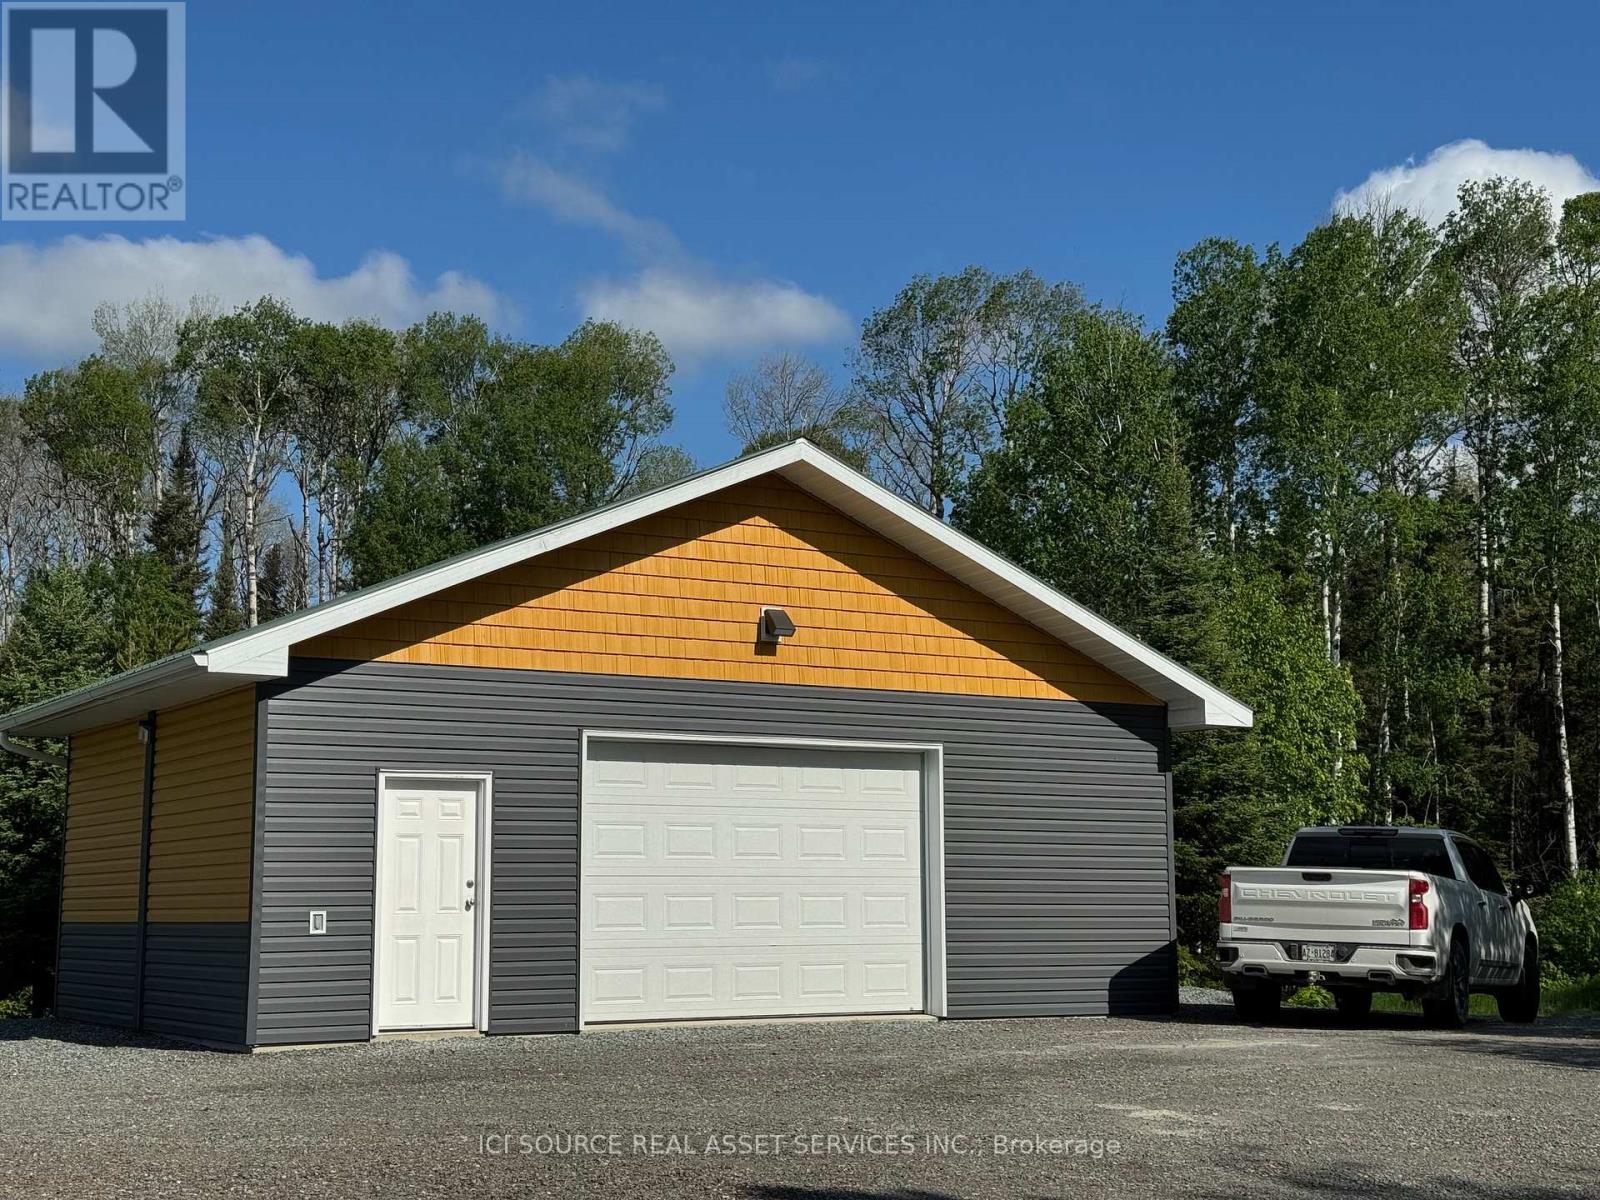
x,y
695,310
1429,187
51,290
696,313
591,113
525,179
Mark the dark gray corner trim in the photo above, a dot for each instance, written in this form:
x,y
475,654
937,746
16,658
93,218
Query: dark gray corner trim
x,y
258,827
1172,863
148,725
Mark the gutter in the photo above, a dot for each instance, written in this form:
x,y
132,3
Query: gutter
x,y
28,752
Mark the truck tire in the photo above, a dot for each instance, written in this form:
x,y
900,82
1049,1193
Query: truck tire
x,y
1354,1004
1446,1006
1520,1004
1257,1003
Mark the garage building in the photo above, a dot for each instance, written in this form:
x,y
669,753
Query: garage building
x,y
766,742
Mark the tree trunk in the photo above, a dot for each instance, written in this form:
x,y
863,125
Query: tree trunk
x,y
306,564
1569,804
1483,589
252,606
1327,599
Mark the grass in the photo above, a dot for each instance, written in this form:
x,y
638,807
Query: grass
x,y
1559,998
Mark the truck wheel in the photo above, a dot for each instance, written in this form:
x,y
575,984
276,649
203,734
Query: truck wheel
x,y
1353,1004
1521,1003
1446,1006
1257,1003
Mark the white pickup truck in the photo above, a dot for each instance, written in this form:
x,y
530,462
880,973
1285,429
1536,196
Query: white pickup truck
x,y
1378,908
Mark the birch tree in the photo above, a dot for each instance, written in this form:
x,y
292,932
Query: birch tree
x,y
937,369
244,369
1497,242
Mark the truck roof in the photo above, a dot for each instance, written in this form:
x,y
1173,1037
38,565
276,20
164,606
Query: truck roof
x,y
1379,830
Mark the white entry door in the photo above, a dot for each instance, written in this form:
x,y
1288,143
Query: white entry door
x,y
427,904
745,881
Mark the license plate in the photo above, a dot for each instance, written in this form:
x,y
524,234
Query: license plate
x,y
1319,952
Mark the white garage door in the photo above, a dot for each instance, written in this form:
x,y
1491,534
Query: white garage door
x,y
743,881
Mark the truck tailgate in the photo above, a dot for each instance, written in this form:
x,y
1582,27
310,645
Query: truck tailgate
x,y
1321,904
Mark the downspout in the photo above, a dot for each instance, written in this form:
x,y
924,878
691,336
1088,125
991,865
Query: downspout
x,y
28,752
147,732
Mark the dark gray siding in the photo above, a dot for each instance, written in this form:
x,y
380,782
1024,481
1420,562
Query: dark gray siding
x,y
1056,830
195,978
97,963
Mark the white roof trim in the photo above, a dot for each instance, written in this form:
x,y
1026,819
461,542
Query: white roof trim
x,y
263,652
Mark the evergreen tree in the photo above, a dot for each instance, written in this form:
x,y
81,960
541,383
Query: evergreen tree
x,y
177,529
56,644
277,582
223,613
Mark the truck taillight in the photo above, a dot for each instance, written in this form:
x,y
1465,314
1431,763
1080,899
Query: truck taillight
x,y
1418,910
1225,899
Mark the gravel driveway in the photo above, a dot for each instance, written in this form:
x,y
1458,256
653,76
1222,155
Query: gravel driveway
x,y
1196,1106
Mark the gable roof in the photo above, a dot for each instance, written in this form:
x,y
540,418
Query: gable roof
x,y
263,652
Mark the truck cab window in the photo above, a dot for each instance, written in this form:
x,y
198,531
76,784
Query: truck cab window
x,y
1480,867
1363,852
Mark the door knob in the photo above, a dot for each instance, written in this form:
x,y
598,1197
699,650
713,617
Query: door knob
x,y
469,903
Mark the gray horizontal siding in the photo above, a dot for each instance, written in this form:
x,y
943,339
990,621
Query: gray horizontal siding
x,y
1058,890
195,979
97,965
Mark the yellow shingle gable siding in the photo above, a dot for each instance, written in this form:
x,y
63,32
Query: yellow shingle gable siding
x,y
202,810
105,806
677,595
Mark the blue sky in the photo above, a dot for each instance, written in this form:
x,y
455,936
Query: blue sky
x,y
745,181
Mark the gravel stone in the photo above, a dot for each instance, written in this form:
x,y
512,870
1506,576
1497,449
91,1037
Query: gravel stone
x,y
1195,1106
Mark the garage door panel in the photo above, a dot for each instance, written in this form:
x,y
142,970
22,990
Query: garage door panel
x,y
690,982
641,912
750,880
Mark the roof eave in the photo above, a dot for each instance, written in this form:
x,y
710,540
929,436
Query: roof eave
x,y
166,683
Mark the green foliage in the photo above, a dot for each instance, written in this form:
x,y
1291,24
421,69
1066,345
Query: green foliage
x,y
658,467
1195,971
99,432
148,615
938,368
177,528
1087,487
1569,924
1314,996
57,643
277,581
514,438
17,1004
1220,294
1239,795
223,614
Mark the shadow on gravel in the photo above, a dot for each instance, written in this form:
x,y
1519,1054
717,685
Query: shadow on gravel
x,y
1355,1180
1564,1044
78,1033
786,1192
1300,1018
